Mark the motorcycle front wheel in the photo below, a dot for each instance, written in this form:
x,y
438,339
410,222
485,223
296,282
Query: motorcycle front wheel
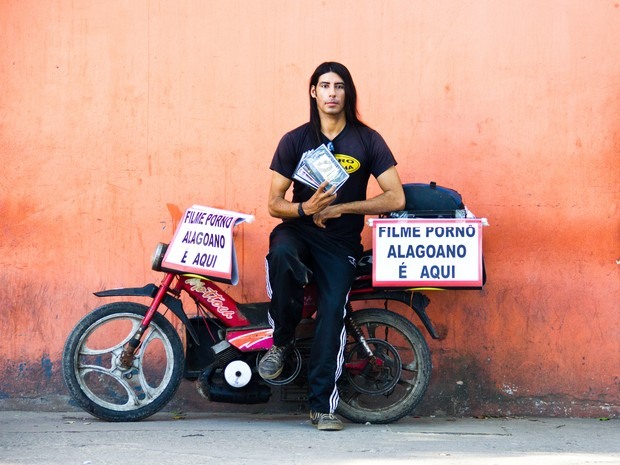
x,y
95,377
389,386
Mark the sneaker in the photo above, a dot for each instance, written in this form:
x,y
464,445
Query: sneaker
x,y
326,421
272,363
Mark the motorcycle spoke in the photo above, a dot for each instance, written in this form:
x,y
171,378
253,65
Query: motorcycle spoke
x,y
142,383
113,370
411,367
130,387
85,350
85,369
371,330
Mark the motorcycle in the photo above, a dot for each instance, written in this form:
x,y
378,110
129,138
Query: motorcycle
x,y
124,361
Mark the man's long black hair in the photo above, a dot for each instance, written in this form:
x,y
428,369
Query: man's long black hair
x,y
350,99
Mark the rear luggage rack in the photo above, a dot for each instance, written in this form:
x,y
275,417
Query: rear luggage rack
x,y
426,214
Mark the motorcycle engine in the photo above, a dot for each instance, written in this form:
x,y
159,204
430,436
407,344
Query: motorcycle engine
x,y
221,371
199,357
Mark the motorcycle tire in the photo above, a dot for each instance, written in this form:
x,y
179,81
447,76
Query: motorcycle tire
x,y
94,377
392,388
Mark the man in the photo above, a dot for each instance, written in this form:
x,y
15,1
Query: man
x,y
320,236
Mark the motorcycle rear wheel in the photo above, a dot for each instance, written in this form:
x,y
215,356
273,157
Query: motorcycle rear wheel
x,y
93,374
387,392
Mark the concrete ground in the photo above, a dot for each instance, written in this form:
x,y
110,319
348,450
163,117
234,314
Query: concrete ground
x,y
178,438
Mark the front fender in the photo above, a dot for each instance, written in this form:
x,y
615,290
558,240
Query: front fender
x,y
175,305
147,291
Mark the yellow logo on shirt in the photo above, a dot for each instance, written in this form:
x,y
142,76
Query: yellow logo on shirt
x,y
350,164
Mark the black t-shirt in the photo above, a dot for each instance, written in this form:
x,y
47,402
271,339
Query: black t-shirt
x,y
359,149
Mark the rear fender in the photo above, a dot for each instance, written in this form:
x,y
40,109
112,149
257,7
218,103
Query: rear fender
x,y
415,300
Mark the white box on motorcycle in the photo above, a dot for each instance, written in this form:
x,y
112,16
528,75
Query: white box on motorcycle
x,y
444,210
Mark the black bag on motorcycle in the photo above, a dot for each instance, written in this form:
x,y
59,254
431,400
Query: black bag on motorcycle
x,y
430,201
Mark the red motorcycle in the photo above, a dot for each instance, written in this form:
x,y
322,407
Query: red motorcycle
x,y
124,361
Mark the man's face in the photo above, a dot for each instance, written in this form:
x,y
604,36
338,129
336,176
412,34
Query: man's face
x,y
329,94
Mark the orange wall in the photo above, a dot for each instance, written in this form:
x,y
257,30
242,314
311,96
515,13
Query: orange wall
x,y
115,115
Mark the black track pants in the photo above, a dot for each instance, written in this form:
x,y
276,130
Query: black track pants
x,y
297,254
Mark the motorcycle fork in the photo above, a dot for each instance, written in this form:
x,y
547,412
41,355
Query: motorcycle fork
x,y
127,356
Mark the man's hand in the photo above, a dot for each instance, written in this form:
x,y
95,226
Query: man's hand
x,y
326,214
279,207
392,198
320,200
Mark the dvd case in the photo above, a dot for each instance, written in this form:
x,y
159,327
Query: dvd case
x,y
319,165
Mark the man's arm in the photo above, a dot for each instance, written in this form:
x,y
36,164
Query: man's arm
x,y
279,207
392,198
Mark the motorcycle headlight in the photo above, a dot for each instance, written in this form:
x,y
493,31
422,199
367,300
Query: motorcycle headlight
x,y
158,256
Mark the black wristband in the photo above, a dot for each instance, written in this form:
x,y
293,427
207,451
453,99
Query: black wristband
x,y
300,210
